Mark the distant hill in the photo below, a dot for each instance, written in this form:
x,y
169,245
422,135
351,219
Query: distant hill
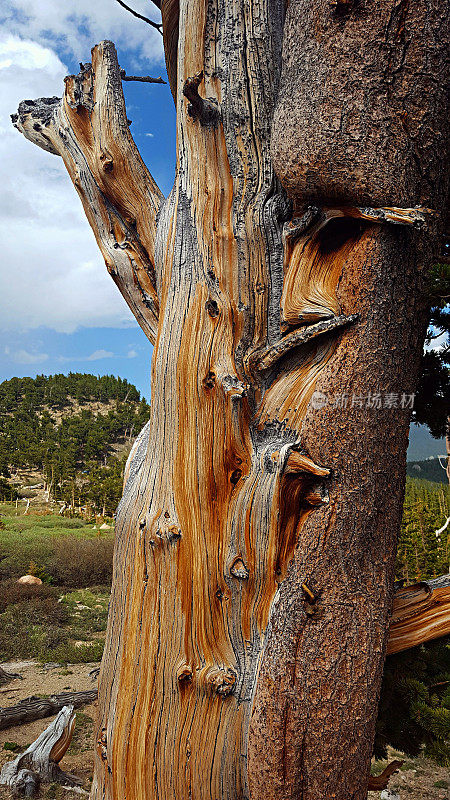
x,y
69,432
429,470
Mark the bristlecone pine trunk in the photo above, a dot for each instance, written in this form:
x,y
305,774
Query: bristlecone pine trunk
x,y
281,285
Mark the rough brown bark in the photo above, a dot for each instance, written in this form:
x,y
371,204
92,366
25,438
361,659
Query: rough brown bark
x,y
350,129
253,309
361,114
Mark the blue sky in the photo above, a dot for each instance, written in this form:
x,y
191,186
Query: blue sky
x,y
59,310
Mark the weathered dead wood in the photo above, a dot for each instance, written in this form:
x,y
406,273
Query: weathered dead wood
x,y
39,762
6,677
268,357
140,78
89,129
37,707
421,613
379,782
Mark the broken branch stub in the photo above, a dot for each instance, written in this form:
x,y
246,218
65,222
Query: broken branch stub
x,y
89,128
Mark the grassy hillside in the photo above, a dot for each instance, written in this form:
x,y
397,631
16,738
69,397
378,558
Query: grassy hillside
x,y
69,436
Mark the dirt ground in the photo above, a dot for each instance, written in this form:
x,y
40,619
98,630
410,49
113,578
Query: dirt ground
x,y
419,779
46,680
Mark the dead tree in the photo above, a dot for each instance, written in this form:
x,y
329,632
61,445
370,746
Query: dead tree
x,y
281,283
39,762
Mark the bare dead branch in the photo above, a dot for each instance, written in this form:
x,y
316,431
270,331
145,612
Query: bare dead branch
x,y
301,336
379,782
102,158
156,25
33,708
141,78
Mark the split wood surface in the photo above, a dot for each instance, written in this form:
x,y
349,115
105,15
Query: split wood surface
x,y
421,613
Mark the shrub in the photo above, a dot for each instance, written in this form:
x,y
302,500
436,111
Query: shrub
x,y
65,559
30,632
77,563
68,653
12,592
16,555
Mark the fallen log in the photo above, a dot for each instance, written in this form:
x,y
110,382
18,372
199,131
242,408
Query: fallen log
x,y
33,708
39,762
6,677
421,613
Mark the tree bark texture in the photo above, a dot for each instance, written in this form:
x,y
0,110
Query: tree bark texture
x,y
253,569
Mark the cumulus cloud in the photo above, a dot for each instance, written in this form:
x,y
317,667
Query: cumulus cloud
x,y
52,273
75,25
24,357
97,355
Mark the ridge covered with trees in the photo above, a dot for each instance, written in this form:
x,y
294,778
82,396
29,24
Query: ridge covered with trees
x,y
75,430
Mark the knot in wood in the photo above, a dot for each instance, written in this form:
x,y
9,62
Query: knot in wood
x,y
235,476
101,745
185,674
174,534
106,162
204,110
234,387
209,381
238,569
212,307
222,681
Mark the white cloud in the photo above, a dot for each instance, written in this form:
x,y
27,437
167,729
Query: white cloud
x,y
76,25
51,271
150,134
97,355
132,353
24,357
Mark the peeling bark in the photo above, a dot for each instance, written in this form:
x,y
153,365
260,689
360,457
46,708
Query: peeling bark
x,y
253,569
